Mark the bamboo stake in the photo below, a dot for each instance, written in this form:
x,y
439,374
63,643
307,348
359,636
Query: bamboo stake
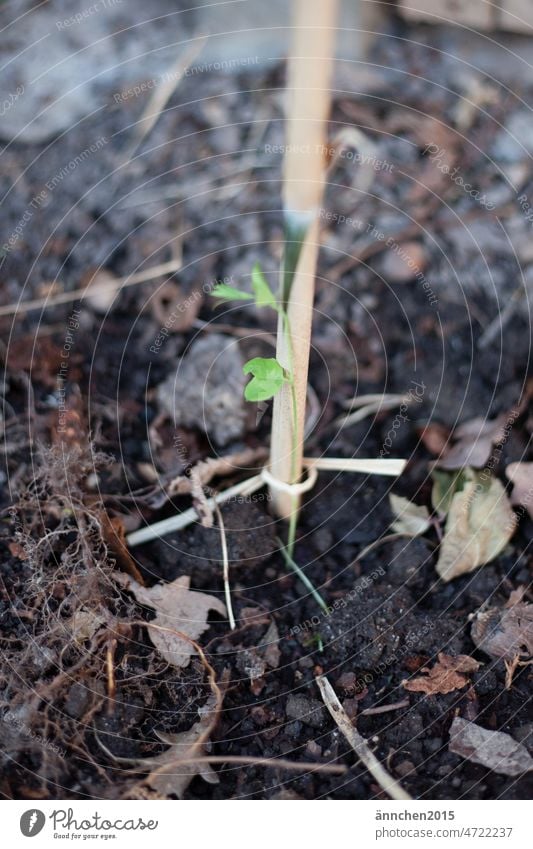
x,y
309,75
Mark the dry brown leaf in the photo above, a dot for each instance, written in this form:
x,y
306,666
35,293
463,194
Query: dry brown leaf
x,y
448,674
170,777
473,443
84,624
206,470
411,519
521,476
506,633
492,749
179,609
17,550
479,525
114,534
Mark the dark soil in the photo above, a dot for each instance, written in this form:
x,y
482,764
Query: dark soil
x,y
192,190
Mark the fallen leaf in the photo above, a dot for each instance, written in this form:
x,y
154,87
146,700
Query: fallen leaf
x,y
479,525
445,485
447,675
17,550
170,777
270,648
411,519
177,608
492,749
84,624
521,476
114,534
473,442
506,633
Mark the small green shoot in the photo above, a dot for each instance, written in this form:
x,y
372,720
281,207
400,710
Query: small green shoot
x,y
264,296
230,293
268,378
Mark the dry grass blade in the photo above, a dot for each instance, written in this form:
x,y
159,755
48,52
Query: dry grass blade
x,y
278,763
382,466
358,743
162,95
225,565
22,307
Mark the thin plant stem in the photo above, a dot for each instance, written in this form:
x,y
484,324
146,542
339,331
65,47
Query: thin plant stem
x,y
303,578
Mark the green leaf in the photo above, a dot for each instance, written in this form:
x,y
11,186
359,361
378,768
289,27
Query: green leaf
x,y
296,227
445,485
268,378
230,293
264,297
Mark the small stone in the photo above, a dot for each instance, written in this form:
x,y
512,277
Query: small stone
x,y
404,768
313,749
206,390
347,682
524,734
350,706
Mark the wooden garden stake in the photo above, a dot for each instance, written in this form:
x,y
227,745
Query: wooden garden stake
x,y
309,76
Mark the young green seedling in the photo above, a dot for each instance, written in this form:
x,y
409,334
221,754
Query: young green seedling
x,y
268,375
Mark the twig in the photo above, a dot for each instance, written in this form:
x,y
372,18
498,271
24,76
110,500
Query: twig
x,y
22,307
161,96
358,743
385,708
110,668
225,566
280,763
